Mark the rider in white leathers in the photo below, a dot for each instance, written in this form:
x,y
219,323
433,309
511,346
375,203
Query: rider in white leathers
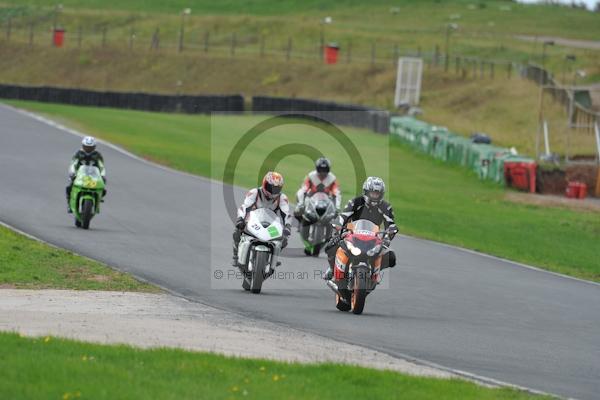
x,y
268,195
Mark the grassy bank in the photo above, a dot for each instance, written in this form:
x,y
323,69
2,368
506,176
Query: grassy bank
x,y
431,199
485,28
56,368
28,264
506,109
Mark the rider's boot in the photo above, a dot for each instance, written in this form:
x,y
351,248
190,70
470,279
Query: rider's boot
x,y
236,242
328,275
68,192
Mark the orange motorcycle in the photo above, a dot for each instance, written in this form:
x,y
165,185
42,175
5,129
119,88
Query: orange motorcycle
x,y
358,264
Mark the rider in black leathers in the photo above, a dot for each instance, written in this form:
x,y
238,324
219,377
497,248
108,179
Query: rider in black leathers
x,y
372,207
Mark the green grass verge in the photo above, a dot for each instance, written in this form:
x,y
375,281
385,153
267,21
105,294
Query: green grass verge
x,y
28,264
431,199
52,368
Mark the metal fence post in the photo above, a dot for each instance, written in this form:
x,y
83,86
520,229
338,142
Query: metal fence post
x,y
289,49
79,36
206,41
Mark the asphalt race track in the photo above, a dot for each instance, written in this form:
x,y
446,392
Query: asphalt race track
x,y
446,306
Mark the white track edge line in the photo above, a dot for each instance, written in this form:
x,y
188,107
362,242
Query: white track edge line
x,y
121,150
457,372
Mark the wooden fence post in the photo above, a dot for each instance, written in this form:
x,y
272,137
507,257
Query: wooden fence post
x,y
233,44
349,52
79,36
8,28
206,41
262,46
373,53
155,39
131,37
31,28
289,49
104,29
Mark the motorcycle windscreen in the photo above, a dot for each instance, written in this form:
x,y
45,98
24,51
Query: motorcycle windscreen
x,y
320,204
88,170
88,177
265,216
365,227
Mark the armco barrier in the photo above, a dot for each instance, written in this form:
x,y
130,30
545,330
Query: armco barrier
x,y
342,114
128,100
487,161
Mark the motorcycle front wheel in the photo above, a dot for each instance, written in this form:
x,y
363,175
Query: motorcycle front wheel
x,y
359,291
86,213
261,258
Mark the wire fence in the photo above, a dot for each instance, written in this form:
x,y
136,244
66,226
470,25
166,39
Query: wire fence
x,y
42,30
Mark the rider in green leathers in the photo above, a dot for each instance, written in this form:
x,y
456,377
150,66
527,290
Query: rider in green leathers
x,y
87,155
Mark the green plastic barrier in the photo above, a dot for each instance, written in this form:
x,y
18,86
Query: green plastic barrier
x,y
487,161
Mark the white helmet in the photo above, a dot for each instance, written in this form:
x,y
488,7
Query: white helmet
x,y
373,190
89,144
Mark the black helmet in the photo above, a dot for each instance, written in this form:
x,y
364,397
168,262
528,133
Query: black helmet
x,y
323,165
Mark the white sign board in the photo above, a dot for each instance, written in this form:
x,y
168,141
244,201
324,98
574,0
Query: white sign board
x,y
408,81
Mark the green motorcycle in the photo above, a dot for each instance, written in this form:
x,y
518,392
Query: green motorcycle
x,y
86,195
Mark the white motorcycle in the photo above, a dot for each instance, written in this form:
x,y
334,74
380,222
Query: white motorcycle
x,y
259,248
315,228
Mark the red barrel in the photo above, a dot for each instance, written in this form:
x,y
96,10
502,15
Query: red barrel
x,y
572,190
576,190
331,53
520,175
58,37
582,192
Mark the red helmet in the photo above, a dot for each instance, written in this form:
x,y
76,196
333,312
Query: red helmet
x,y
272,184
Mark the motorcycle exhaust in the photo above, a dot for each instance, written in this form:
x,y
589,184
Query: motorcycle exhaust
x,y
331,284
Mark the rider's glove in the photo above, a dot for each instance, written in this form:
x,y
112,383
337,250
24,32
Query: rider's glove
x,y
240,223
286,233
392,231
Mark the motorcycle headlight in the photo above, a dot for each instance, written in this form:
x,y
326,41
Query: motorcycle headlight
x,y
353,249
375,250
